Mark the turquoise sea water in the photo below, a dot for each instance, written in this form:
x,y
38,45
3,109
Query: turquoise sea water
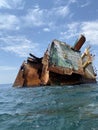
x,y
49,108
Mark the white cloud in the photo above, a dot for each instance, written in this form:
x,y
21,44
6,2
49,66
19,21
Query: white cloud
x,y
18,45
46,29
4,4
72,30
40,17
10,22
62,11
89,29
12,4
35,17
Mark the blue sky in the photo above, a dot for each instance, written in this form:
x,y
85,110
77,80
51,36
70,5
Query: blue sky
x,y
28,26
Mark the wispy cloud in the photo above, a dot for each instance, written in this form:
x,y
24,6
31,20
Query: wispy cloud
x,y
40,17
5,68
34,17
18,45
89,29
85,4
46,29
72,1
12,4
4,4
62,2
17,4
62,11
9,22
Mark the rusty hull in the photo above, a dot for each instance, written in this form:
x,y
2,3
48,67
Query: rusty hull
x,y
60,65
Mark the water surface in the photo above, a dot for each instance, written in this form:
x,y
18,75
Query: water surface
x,y
49,108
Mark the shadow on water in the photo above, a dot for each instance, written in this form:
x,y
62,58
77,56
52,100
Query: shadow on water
x,y
46,108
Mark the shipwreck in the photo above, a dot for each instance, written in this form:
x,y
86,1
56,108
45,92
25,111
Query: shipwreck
x,y
61,64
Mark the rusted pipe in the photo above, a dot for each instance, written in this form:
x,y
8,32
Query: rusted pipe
x,y
80,41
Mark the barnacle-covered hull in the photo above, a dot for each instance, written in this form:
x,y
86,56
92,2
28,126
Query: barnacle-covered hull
x,y
60,65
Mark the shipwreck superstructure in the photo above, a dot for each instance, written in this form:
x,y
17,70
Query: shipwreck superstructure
x,y
60,65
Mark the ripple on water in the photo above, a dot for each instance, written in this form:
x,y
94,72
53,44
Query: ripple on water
x,y
46,108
